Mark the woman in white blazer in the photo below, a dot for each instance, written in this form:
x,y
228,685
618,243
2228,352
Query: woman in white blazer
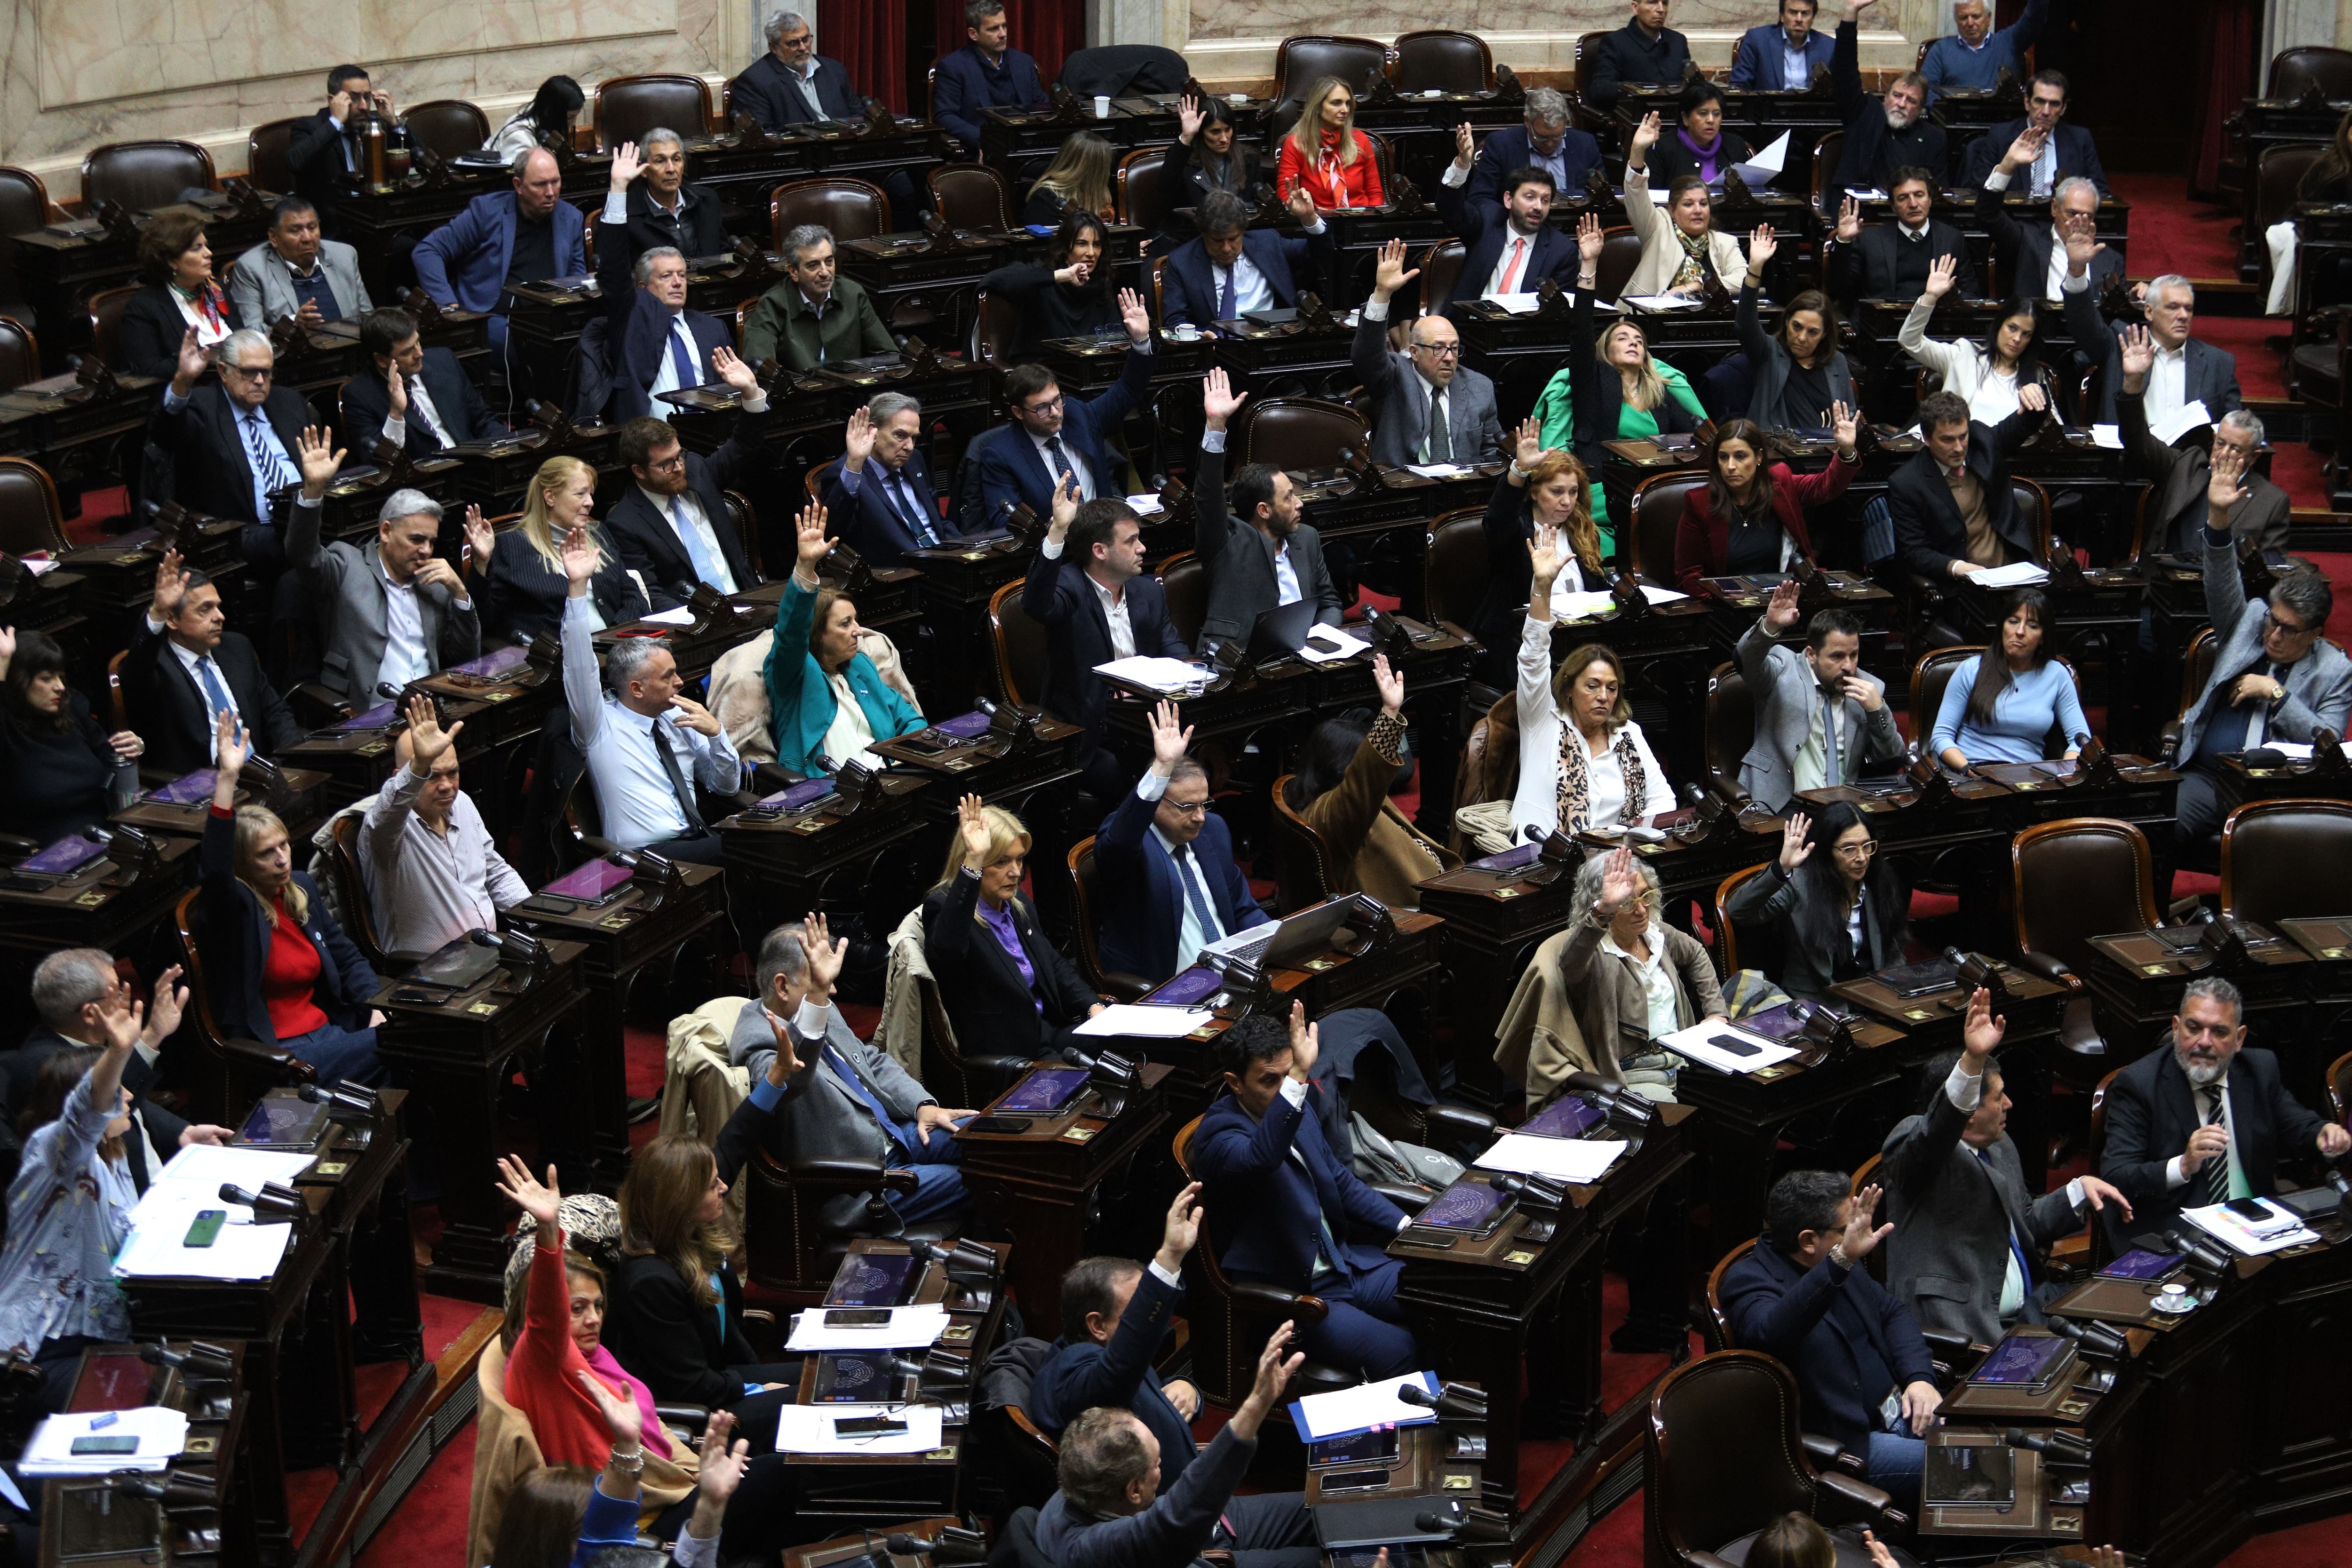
x,y
1596,769
1984,375
1679,238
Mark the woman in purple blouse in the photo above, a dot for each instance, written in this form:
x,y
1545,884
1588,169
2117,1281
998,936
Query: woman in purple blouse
x,y
1006,990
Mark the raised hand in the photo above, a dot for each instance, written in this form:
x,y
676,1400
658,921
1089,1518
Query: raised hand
x,y
319,458
825,956
1065,507
1645,136
1276,1364
1879,1556
1529,446
725,1457
543,1201
1169,739
857,439
427,740
1943,273
170,583
2139,350
620,1413
2024,150
2228,486
1182,1227
1591,240
123,1024
580,554
1780,611
1860,1239
1389,273
163,1010
1391,682
2081,245
1218,399
1849,224
194,360
809,546
1980,1032
395,391
1189,119
1546,556
626,166
1761,248
1306,1043
1845,424
1302,207
971,824
733,371
1794,850
231,746
1619,883
1465,145
1134,315
481,539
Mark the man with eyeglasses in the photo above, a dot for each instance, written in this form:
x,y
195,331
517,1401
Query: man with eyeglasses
x,y
234,447
2207,1120
2274,675
672,527
1433,408
1056,437
1164,865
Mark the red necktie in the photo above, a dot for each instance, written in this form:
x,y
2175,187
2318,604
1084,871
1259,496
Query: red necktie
x,y
1511,267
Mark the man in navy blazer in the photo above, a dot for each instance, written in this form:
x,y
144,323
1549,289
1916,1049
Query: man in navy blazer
x,y
986,73
877,494
1782,57
1164,869
1086,586
1488,226
1054,437
1233,268
1802,1296
522,235
652,344
1544,140
2066,151
1286,1210
672,527
791,84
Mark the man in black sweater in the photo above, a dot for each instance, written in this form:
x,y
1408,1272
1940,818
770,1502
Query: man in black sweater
x,y
1881,137
1643,50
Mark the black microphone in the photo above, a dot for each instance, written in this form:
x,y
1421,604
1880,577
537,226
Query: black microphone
x,y
1534,833
898,1543
198,1360
271,1199
1453,1401
2058,1447
1413,1394
2334,1177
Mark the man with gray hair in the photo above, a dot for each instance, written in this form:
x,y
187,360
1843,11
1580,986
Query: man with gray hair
x,y
2206,1120
2034,254
878,494
814,316
650,343
663,209
2182,373
791,84
232,444
1546,141
2180,473
1164,867
389,613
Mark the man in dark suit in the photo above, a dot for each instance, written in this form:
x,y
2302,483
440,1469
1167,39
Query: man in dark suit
x,y
1645,50
1967,1231
1087,588
1782,57
664,209
526,235
1110,1512
422,398
1953,511
315,147
1508,245
986,73
1544,140
1433,407
2180,472
1232,269
1287,1210
2067,152
235,445
1055,437
1262,556
672,527
186,667
652,344
1164,867
1881,135
2031,257
1891,261
791,84
2202,1120
2181,371
1802,1296
877,494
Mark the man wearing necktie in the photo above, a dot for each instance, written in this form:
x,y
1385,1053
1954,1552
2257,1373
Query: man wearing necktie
x,y
2207,1119
187,667
1967,1228
1508,246
232,444
672,527
880,489
418,398
1166,883
653,344
318,147
1433,408
1057,435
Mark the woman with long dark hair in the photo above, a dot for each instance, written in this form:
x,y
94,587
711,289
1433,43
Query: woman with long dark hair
x,y
2001,706
1799,372
1067,295
1206,155
545,122
60,773
1985,375
1751,516
1841,906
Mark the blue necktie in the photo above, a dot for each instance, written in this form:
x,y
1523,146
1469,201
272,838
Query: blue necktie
x,y
681,356
1226,294
705,570
269,467
1188,871
910,511
895,1130
1062,468
216,694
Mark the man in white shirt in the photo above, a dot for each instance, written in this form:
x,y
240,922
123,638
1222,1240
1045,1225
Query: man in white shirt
x,y
1818,715
672,526
387,614
419,398
1232,269
1261,554
432,872
2185,371
646,746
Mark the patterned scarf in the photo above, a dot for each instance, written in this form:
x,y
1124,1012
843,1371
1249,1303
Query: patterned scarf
x,y
1574,803
1328,165
1698,254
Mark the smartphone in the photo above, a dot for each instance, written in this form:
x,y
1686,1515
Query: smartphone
x,y
2252,1209
206,1228
1734,1045
867,1426
104,1445
857,1317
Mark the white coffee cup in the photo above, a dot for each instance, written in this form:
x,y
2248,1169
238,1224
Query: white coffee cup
x,y
1102,106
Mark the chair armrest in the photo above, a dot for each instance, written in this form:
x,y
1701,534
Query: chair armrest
x,y
1826,1455
1458,1121
2069,1256
767,778
1006,1066
1125,987
1257,1296
2049,967
1946,1344
16,846
1412,1200
1856,1494
766,1334
2167,745
1698,1559
290,1067
853,1172
315,706
691,1419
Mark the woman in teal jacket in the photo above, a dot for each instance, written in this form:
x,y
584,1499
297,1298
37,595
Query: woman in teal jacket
x,y
825,699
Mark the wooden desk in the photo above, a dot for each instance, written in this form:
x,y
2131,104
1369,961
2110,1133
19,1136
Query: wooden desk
x,y
84,1522
103,905
863,1550
61,265
460,1050
1428,1464
2137,979
782,869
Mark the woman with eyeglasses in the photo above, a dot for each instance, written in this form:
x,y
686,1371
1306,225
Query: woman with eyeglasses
x,y
2001,706
1840,907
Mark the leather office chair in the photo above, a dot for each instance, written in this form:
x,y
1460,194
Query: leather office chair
x,y
20,354
850,208
2339,1087
1828,153
1032,1462
1588,49
1714,1330
745,519
2292,70
1453,565
1444,59
265,165
787,1249
1756,947
1657,513
996,329
24,204
106,308
2070,881
1116,984
2196,670
352,901
114,703
1305,871
1929,677
1186,584
1374,1095
1307,59
1441,269
1730,726
626,107
964,1078
1142,197
232,1072
448,126
1020,644
1726,1457
30,516
1294,433
2287,859
2033,506
1620,252
140,174
969,196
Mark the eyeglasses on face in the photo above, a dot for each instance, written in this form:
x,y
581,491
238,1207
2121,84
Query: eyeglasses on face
x,y
2271,623
1046,406
1862,851
1441,350
260,372
1186,808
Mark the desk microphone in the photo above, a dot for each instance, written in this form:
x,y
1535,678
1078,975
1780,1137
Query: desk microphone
x,y
2334,1177
1453,1401
271,1199
175,1489
953,1545
196,1360
1534,833
2058,1447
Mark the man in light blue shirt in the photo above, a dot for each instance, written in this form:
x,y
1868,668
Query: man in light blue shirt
x,y
1780,56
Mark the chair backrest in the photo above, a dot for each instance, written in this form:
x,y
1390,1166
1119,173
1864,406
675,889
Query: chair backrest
x,y
1444,59
351,898
1081,860
1441,269
1756,947
1296,433
2292,70
1588,49
1304,873
1620,252
1454,567
850,208
2339,1087
2078,878
745,517
1730,722
2197,665
1929,677
30,516
1186,586
20,354
24,201
448,126
1020,643
1142,196
971,195
1828,153
267,168
115,708
1716,1331
2032,510
626,107
996,328
1307,58
139,174
1865,1173
2098,1146
2287,859
1724,1459
106,307
2276,175
1657,513
1032,1463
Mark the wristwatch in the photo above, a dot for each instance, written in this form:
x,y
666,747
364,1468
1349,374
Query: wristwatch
x,y
1837,1254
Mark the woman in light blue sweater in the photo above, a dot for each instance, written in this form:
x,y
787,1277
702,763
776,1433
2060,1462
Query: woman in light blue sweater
x,y
2002,707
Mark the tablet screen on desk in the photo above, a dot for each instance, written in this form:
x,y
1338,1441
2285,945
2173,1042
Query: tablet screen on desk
x,y
2141,1264
2020,1360
793,797
282,1122
375,718
872,1279
188,789
1566,1117
67,855
1046,1089
593,880
1195,985
1969,1476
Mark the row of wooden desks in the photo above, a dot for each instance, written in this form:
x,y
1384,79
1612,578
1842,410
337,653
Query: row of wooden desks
x,y
197,1510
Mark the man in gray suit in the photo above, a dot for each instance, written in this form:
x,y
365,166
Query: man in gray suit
x,y
1433,408
1817,713
1965,1230
293,272
1263,558
390,613
819,1092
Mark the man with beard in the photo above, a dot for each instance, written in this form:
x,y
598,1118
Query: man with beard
x,y
2206,1122
1881,137
1258,555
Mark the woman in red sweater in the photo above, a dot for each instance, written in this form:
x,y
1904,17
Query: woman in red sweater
x,y
1327,156
1751,517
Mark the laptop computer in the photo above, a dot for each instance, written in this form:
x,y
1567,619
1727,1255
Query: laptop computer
x,y
1282,629
1293,938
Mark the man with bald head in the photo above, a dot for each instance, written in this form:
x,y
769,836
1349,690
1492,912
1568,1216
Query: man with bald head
x,y
524,235
431,870
1972,57
1433,408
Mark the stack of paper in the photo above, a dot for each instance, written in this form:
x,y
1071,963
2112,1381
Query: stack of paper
x,y
2280,1228
186,1188
1147,503
815,1429
1578,1160
1521,304
2016,574
1168,675
1743,1053
1366,1407
1146,1023
159,1433
910,1327
2190,415
1661,301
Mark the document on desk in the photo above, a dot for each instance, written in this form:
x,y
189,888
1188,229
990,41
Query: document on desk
x,y
816,1429
158,1247
1160,674
681,616
1524,304
910,1327
1765,166
2191,414
1329,645
1367,1407
1147,503
1578,1160
159,1431
2016,574
201,1168
1570,603
1662,301
2281,1229
1726,1047
1145,1023
2107,437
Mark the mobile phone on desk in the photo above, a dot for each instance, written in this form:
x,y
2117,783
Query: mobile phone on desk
x,y
857,1317
206,1228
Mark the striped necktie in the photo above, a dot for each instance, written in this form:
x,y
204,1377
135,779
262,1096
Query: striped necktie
x,y
2216,1173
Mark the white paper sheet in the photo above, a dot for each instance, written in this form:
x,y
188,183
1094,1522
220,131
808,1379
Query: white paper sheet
x,y
1437,470
1693,1043
2294,751
1363,1407
2110,436
1567,603
1661,301
1142,1023
161,1433
2219,1222
1520,304
2191,415
201,1168
1865,193
158,1246
1170,675
1765,166
1147,503
1329,645
809,1429
910,1327
681,616
1579,1160
2016,574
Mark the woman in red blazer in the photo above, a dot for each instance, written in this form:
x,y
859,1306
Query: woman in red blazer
x,y
1325,155
1751,517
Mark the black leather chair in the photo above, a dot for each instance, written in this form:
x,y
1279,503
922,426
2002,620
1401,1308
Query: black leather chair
x,y
140,174
1441,269
24,201
2287,859
2295,70
1020,647
1116,984
788,1250
20,354
1731,727
1620,252
106,308
1186,584
957,1076
626,107
1444,59
1295,433
1307,59
971,195
1828,153
2070,881
1929,677
448,126
851,208
30,516
1141,197
1736,948
265,165
1305,866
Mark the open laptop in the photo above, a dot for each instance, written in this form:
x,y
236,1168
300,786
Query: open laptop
x,y
1282,629
1293,938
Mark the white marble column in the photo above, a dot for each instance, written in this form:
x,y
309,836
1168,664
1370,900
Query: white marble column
x,y
1168,23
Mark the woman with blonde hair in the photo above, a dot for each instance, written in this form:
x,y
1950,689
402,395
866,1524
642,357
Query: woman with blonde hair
x,y
518,575
1584,763
1325,155
281,970
1007,990
1544,488
1078,178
